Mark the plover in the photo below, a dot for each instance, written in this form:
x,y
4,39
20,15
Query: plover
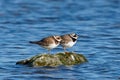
x,y
68,40
48,42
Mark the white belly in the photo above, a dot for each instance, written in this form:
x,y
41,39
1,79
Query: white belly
x,y
70,44
51,46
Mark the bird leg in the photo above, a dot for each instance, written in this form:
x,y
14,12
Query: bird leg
x,y
48,51
65,50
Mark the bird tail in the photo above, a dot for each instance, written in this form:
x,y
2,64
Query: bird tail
x,y
33,42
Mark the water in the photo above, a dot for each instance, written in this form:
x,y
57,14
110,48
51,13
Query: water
x,y
97,22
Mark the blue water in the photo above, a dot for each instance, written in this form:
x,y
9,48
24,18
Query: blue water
x,y
97,22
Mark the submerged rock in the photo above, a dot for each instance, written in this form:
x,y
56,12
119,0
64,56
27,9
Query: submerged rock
x,y
58,59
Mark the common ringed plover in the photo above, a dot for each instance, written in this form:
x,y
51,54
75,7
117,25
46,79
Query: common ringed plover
x,y
68,40
48,42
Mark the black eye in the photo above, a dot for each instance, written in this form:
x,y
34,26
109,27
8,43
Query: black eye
x,y
58,38
75,35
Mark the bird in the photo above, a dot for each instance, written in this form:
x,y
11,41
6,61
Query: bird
x,y
49,42
68,40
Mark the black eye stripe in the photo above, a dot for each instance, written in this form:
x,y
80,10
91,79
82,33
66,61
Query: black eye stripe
x,y
75,35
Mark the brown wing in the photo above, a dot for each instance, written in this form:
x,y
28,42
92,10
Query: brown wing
x,y
65,39
46,41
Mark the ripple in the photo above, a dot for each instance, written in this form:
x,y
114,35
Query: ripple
x,y
92,20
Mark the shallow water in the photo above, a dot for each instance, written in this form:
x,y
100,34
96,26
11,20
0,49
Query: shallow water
x,y
97,22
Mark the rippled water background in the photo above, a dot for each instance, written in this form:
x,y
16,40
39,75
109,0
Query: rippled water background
x,y
97,22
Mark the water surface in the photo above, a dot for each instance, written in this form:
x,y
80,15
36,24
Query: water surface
x,y
97,22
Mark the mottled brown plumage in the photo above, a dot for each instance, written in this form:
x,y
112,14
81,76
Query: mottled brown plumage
x,y
68,40
48,42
